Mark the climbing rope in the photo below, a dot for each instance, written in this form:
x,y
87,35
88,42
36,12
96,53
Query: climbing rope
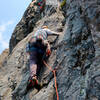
x,y
54,73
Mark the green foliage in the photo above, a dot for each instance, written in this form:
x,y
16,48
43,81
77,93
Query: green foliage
x,y
63,3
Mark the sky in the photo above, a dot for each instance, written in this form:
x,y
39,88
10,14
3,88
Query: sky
x,y
11,12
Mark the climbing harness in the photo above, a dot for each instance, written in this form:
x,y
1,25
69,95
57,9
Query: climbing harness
x,y
54,73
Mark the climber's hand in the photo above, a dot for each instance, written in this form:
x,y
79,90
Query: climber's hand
x,y
48,52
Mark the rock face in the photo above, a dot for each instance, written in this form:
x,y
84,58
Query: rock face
x,y
76,51
4,56
78,80
27,23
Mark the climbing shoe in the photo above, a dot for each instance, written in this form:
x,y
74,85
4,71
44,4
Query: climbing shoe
x,y
33,83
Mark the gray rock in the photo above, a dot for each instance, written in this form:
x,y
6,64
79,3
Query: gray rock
x,y
76,52
26,25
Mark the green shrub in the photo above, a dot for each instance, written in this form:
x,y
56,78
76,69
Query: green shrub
x,y
63,3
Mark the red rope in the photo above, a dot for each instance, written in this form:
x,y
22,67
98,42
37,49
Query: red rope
x,y
54,72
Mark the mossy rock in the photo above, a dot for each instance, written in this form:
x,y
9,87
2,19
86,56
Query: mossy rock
x,y
63,3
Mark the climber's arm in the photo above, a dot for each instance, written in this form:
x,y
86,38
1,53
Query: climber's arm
x,y
48,51
52,32
55,33
47,44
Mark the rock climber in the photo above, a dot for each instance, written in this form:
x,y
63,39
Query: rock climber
x,y
36,48
39,3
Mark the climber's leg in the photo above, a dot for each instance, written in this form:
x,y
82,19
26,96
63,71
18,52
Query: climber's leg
x,y
33,69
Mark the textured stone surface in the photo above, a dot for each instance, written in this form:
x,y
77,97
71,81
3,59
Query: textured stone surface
x,y
15,73
28,22
76,52
77,56
3,56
